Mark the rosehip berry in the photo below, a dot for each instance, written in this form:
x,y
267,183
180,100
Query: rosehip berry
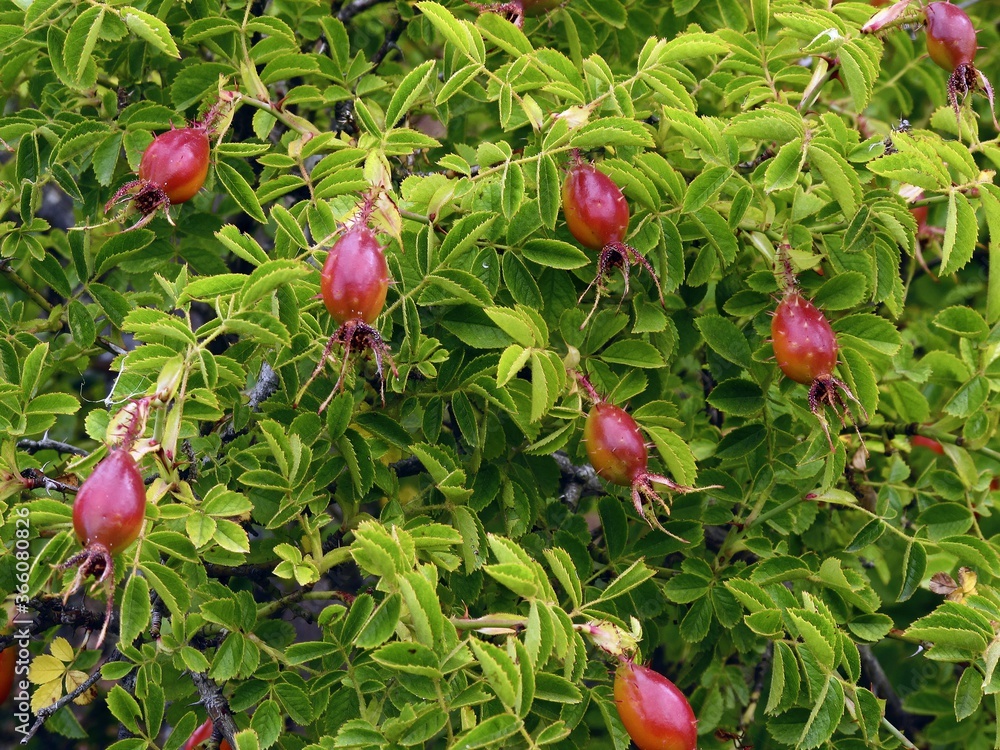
x,y
353,285
111,504
614,444
201,734
596,211
108,515
597,215
951,37
355,277
8,659
177,163
618,454
951,43
804,343
919,441
805,347
654,711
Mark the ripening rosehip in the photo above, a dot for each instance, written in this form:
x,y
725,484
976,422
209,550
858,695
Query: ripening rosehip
x,y
597,214
111,504
355,278
654,711
595,209
618,453
952,44
8,660
805,345
353,285
177,163
951,37
108,514
614,444
201,734
172,170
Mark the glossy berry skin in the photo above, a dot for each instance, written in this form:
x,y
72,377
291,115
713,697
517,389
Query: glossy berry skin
x,y
614,444
177,163
110,506
655,713
596,211
201,734
805,345
951,37
355,277
8,660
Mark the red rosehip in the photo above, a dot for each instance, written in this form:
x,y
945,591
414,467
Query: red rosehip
x,y
355,277
614,444
951,37
108,514
110,507
596,211
201,734
805,345
177,162
654,711
919,441
8,659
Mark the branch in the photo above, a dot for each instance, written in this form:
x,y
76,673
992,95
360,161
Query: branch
x,y
47,444
872,672
578,481
265,387
389,43
216,705
43,714
351,9
33,479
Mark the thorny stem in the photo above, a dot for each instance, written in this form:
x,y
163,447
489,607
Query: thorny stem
x,y
44,713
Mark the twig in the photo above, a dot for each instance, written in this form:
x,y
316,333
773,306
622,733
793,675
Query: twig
x,y
48,444
265,387
44,713
759,673
872,672
351,9
34,480
216,705
578,481
389,43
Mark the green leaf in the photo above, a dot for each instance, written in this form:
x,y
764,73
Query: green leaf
x,y
488,732
783,170
705,187
81,40
134,609
169,585
409,89
961,230
737,397
914,565
723,337
240,190
838,175
448,26
554,254
150,28
962,321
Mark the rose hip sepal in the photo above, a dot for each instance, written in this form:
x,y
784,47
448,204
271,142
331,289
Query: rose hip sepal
x,y
654,711
172,170
597,215
618,453
805,347
108,514
353,285
516,10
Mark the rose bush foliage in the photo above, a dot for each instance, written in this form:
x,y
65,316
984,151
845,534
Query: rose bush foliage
x,y
442,570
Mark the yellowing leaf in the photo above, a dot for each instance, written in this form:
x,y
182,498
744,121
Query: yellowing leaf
x,y
62,650
46,695
46,668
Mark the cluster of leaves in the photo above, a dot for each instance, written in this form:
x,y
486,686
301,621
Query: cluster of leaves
x,y
444,575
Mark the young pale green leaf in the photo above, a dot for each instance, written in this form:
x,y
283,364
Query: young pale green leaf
x,y
512,361
990,197
488,732
454,31
838,175
500,671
